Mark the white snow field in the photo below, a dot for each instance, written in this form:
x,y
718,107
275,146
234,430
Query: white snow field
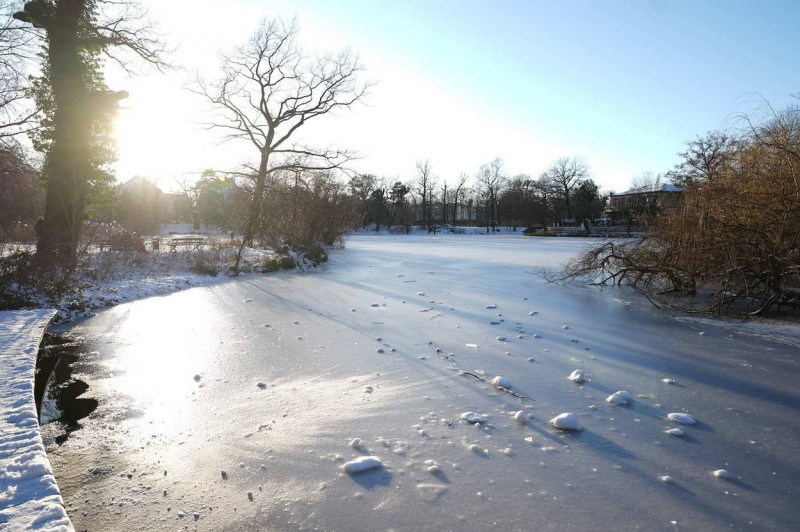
x,y
29,496
279,415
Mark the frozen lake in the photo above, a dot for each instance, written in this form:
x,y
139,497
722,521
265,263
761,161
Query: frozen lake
x,y
235,406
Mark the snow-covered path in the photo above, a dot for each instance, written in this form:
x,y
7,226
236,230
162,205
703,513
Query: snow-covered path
x,y
236,406
29,496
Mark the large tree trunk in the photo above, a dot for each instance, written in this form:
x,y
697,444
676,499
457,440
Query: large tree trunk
x,y
67,166
255,208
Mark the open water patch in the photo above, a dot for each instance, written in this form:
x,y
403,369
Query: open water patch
x,y
60,396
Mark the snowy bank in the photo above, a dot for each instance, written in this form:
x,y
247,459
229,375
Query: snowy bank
x,y
29,496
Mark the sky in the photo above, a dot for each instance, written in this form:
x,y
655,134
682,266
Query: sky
x,y
622,84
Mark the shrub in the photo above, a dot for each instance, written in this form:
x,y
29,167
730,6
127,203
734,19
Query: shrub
x,y
271,265
736,237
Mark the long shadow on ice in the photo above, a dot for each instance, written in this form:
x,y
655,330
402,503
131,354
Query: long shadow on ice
x,y
594,442
372,478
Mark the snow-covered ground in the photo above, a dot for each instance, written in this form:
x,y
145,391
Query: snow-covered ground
x,y
251,404
111,278
29,496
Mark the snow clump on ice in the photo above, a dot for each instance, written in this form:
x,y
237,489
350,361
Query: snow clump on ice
x,y
675,432
520,417
362,463
501,382
723,473
566,421
680,417
668,381
472,417
620,398
576,376
355,443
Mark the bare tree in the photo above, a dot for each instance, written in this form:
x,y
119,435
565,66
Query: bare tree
x,y
267,92
566,174
646,179
425,184
457,193
491,181
705,159
16,111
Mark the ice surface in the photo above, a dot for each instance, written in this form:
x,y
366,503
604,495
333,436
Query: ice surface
x,y
532,476
566,421
362,463
680,417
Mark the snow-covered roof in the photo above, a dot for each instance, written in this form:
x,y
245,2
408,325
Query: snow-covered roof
x,y
656,187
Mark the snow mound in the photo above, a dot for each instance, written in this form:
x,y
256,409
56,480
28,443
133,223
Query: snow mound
x,y
472,417
355,443
723,473
501,382
675,432
680,417
577,376
566,421
502,339
362,463
520,417
620,398
668,381
665,478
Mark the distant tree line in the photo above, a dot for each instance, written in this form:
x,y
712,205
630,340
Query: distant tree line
x,y
565,193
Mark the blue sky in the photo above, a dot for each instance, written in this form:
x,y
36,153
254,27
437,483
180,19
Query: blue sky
x,y
623,84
